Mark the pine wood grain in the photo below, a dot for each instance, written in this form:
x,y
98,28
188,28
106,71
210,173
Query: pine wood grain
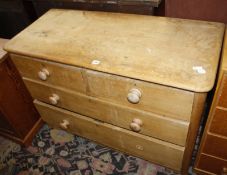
x,y
173,62
164,128
139,145
198,108
157,99
155,49
61,75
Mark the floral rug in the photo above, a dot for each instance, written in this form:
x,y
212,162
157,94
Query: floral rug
x,y
56,152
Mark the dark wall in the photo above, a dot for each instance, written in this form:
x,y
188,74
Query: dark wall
x,y
13,18
15,15
137,7
210,10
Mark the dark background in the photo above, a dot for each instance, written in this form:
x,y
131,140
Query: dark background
x,y
15,15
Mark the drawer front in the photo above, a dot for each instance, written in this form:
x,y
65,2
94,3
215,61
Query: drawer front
x,y
216,146
59,75
164,128
219,122
211,165
154,98
142,146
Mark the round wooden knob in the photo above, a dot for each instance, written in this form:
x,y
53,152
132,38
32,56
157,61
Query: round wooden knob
x,y
134,96
43,74
54,99
137,121
64,124
224,170
136,125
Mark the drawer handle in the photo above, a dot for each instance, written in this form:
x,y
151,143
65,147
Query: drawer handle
x,y
136,124
64,124
54,99
134,96
43,74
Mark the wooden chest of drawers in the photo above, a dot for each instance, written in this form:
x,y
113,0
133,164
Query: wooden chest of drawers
x,y
212,156
135,83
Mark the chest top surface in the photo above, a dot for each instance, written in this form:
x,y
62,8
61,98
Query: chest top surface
x,y
2,52
173,52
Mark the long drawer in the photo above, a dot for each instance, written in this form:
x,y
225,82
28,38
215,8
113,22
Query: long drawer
x,y
151,149
158,99
164,128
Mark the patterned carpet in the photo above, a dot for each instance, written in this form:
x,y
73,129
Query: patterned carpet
x,y
56,152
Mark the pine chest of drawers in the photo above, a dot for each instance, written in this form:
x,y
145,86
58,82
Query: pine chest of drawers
x,y
135,83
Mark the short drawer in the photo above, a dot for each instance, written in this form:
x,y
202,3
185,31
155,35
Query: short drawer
x,y
171,130
219,122
150,97
211,165
53,73
216,146
148,148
